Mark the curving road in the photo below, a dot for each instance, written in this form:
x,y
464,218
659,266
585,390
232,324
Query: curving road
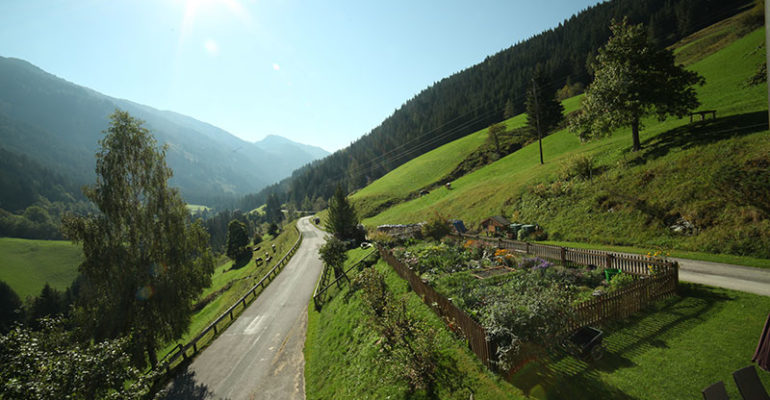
x,y
260,355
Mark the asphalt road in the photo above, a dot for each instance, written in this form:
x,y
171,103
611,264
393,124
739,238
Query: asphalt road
x,y
260,355
735,277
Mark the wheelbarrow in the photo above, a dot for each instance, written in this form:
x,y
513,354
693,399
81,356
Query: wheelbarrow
x,y
585,343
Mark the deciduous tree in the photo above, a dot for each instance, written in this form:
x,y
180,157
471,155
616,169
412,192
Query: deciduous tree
x,y
51,364
144,263
634,80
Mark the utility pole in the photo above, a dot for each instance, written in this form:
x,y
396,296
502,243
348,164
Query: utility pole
x,y
537,120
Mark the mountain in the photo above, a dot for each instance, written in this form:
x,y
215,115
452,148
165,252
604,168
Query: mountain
x,y
56,125
279,145
477,96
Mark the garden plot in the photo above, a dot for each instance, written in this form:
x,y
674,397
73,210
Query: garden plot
x,y
519,300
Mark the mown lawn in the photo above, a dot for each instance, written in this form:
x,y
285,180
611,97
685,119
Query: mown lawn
x,y
27,265
670,351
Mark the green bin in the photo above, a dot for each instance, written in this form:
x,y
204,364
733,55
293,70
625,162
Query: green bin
x,y
609,273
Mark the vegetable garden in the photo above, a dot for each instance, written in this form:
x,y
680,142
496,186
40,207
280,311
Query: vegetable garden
x,y
524,304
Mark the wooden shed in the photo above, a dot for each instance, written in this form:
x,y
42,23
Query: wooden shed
x,y
495,226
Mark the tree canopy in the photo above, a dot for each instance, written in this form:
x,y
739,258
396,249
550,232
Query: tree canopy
x,y
237,240
542,106
343,220
273,211
144,263
634,80
50,363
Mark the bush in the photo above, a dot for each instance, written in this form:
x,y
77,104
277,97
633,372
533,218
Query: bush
x,y
437,227
620,281
383,239
579,166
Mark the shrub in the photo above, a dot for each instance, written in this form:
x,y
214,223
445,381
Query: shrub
x,y
383,238
620,281
437,227
579,166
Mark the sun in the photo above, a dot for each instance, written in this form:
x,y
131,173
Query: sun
x,y
196,9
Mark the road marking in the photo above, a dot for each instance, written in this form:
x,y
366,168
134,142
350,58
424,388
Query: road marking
x,y
253,326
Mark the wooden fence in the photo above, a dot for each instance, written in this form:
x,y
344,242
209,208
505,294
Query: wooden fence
x,y
648,288
455,318
322,295
632,264
181,351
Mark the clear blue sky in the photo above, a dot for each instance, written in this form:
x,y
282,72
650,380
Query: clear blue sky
x,y
317,72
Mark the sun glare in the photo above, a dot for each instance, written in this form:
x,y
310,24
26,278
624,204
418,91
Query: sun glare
x,y
195,10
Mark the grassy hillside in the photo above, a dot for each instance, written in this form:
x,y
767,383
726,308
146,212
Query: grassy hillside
x,y
633,197
341,353
26,265
428,170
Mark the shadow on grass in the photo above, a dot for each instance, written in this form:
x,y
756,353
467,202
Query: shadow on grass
x,y
704,132
186,387
559,375
242,261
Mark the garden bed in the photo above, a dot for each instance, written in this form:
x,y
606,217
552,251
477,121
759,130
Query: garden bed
x,y
517,299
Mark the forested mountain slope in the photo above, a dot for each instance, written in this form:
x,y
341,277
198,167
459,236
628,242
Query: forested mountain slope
x,y
474,98
698,186
56,125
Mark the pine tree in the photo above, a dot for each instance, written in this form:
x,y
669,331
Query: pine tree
x,y
343,220
544,112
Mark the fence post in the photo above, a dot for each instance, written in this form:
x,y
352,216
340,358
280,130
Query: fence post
x,y
609,261
563,256
527,251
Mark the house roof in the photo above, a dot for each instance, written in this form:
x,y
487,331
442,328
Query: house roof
x,y
499,219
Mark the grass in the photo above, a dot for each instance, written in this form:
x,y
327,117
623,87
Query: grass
x,y
239,280
341,354
406,181
671,351
27,264
635,195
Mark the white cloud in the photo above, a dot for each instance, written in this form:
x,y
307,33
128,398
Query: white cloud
x,y
276,67
211,47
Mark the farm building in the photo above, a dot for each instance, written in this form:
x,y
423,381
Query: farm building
x,y
495,226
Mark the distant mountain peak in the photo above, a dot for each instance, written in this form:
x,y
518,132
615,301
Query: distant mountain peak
x,y
279,144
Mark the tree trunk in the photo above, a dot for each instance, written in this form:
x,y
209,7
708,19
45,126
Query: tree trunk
x,y
151,351
635,134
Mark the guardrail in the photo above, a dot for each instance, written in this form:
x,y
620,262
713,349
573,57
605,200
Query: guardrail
x,y
181,350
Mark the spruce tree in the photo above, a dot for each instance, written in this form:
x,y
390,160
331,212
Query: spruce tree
x,y
343,220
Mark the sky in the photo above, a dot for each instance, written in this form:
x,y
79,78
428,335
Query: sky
x,y
317,72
